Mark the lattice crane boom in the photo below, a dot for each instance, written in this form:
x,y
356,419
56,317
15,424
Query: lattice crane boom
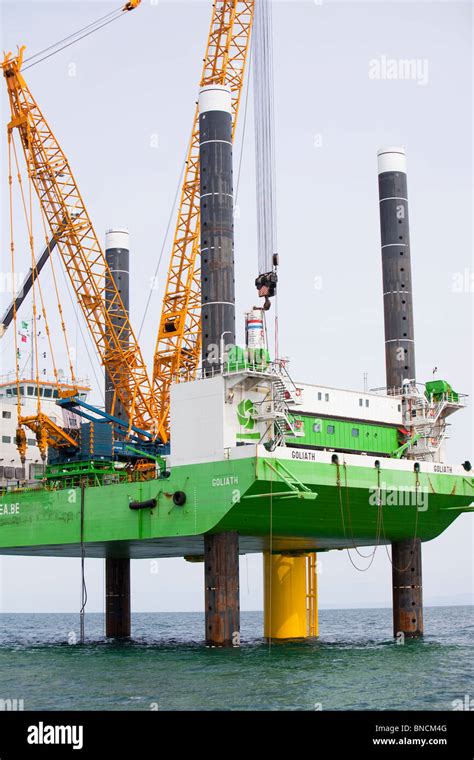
x,y
80,250
178,345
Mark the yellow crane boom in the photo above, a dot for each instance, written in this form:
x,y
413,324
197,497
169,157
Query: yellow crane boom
x,y
80,250
178,345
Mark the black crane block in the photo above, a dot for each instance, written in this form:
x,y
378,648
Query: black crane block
x,y
266,285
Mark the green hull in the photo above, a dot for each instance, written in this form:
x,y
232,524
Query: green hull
x,y
301,505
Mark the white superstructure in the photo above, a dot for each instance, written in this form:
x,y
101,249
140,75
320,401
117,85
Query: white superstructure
x,y
353,405
11,468
212,415
262,405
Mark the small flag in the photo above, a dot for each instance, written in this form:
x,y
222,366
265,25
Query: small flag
x,y
24,338
24,325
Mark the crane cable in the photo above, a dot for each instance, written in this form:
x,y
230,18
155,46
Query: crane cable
x,y
28,213
39,423
29,226
175,200
12,252
85,31
160,257
264,119
80,316
59,304
244,124
264,115
82,611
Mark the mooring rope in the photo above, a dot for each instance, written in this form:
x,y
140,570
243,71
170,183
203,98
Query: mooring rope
x,y
378,528
349,517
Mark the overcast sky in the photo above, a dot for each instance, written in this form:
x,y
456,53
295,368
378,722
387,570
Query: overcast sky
x,y
121,103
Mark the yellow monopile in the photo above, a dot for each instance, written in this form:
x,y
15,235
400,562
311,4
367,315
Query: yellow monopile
x,y
290,599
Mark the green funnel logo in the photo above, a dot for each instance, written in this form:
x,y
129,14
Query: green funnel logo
x,y
245,412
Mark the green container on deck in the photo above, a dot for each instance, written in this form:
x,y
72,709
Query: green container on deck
x,y
439,388
247,358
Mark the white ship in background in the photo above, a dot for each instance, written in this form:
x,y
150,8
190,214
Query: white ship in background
x,y
32,350
12,471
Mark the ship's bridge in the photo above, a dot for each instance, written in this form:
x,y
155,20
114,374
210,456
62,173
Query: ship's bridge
x,y
48,388
12,471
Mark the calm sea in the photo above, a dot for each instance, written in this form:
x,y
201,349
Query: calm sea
x,y
354,665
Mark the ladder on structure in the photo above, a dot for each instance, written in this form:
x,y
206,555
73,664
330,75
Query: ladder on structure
x,y
276,409
312,594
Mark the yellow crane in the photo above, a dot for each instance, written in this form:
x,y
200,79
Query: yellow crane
x,y
177,353
82,255
178,345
